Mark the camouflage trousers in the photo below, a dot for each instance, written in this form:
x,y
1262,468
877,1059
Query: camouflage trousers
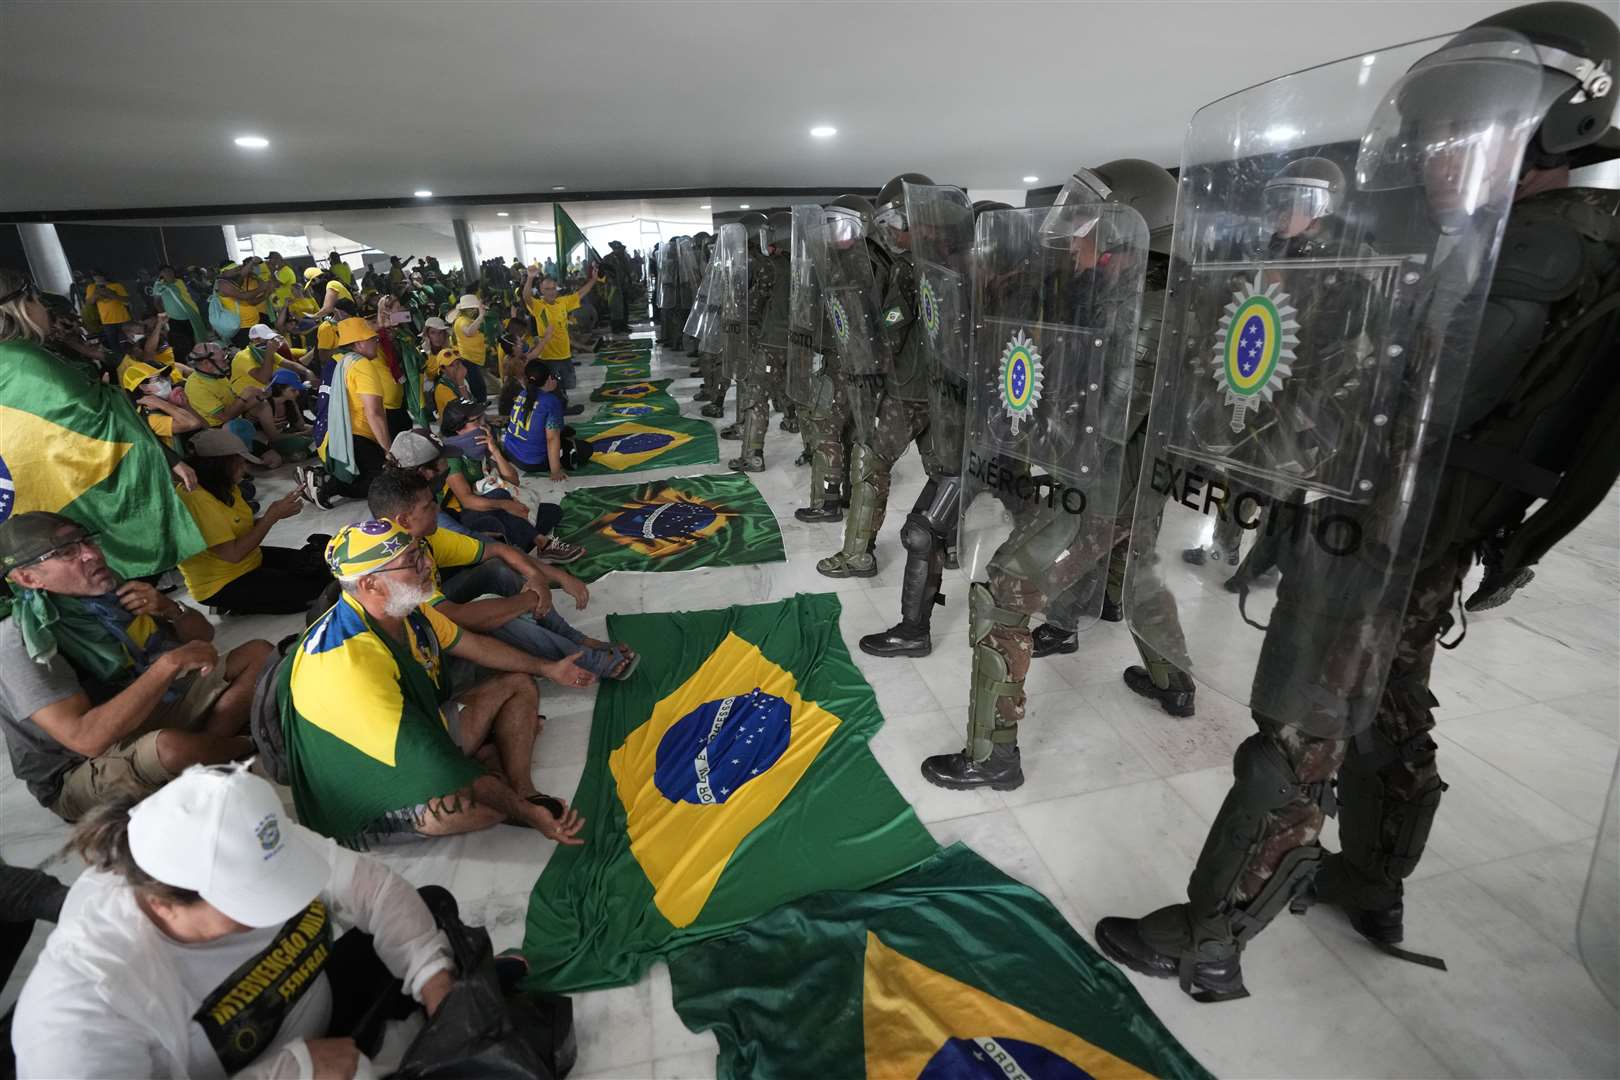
x,y
899,423
825,425
714,379
757,384
1397,756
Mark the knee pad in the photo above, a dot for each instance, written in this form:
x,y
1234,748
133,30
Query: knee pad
x,y
917,537
984,614
1264,781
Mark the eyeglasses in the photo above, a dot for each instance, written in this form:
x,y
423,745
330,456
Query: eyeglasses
x,y
70,549
415,561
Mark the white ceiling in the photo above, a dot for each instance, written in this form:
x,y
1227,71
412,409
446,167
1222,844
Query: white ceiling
x,y
108,104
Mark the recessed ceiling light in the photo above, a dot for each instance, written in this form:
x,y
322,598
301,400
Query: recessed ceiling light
x,y
533,221
1031,179
422,193
823,131
252,142
742,206
559,187
502,213
706,206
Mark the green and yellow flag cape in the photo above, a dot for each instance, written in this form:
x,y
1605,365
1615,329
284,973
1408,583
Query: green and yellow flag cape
x,y
678,524
79,448
729,776
952,970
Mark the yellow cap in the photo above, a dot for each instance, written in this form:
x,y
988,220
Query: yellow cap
x,y
366,547
312,273
138,373
354,329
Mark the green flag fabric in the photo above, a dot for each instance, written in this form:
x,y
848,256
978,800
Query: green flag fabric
x,y
635,402
624,390
731,775
665,525
79,448
571,242
952,969
651,442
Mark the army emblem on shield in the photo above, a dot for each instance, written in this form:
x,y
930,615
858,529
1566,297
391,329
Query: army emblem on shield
x,y
928,301
839,318
1255,347
1021,376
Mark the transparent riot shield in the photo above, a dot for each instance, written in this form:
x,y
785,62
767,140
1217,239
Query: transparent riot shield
x,y
688,271
1048,389
804,305
668,285
731,282
1317,340
695,320
1597,931
849,301
710,337
940,226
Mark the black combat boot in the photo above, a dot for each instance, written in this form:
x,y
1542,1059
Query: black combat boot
x,y
1176,702
802,460
732,432
714,410
1213,980
1049,640
702,394
919,593
754,462
830,510
1001,771
1112,612
901,639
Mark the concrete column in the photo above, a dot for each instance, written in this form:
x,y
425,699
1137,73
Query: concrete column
x,y
467,244
233,246
47,262
518,248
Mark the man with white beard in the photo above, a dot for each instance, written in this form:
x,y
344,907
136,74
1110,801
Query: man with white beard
x,y
378,749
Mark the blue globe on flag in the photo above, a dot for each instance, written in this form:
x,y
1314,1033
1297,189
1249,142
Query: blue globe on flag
x,y
637,443
968,1059
664,521
710,753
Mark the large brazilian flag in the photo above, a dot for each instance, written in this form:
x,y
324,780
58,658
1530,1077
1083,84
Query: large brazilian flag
x,y
729,776
627,390
78,447
952,970
678,524
651,442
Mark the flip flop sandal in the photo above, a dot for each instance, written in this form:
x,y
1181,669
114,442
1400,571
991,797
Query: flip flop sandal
x,y
630,668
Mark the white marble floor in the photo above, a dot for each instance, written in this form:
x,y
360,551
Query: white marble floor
x,y
1116,804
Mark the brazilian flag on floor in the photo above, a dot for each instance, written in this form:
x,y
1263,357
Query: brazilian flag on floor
x,y
621,370
952,969
78,447
653,442
678,524
652,405
623,390
729,776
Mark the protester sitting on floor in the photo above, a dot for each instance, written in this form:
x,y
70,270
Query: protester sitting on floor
x,y
481,486
256,365
536,439
519,609
356,423
378,745
248,414
237,573
202,942
106,683
162,403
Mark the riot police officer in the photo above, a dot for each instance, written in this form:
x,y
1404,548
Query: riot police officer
x,y
738,362
841,255
769,271
889,403
1481,385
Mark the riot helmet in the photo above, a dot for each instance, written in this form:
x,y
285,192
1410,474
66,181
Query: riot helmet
x,y
778,231
849,218
889,216
754,222
1302,192
1143,186
984,206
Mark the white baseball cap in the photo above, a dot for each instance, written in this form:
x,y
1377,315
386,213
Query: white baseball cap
x,y
262,332
435,323
222,833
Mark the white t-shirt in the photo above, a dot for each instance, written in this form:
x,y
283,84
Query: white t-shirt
x,y
240,983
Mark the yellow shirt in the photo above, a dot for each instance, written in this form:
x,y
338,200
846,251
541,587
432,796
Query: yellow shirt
x,y
555,314
242,367
326,335
341,289
209,396
472,347
112,303
450,550
393,391
286,281
442,396
205,572
364,379
342,272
